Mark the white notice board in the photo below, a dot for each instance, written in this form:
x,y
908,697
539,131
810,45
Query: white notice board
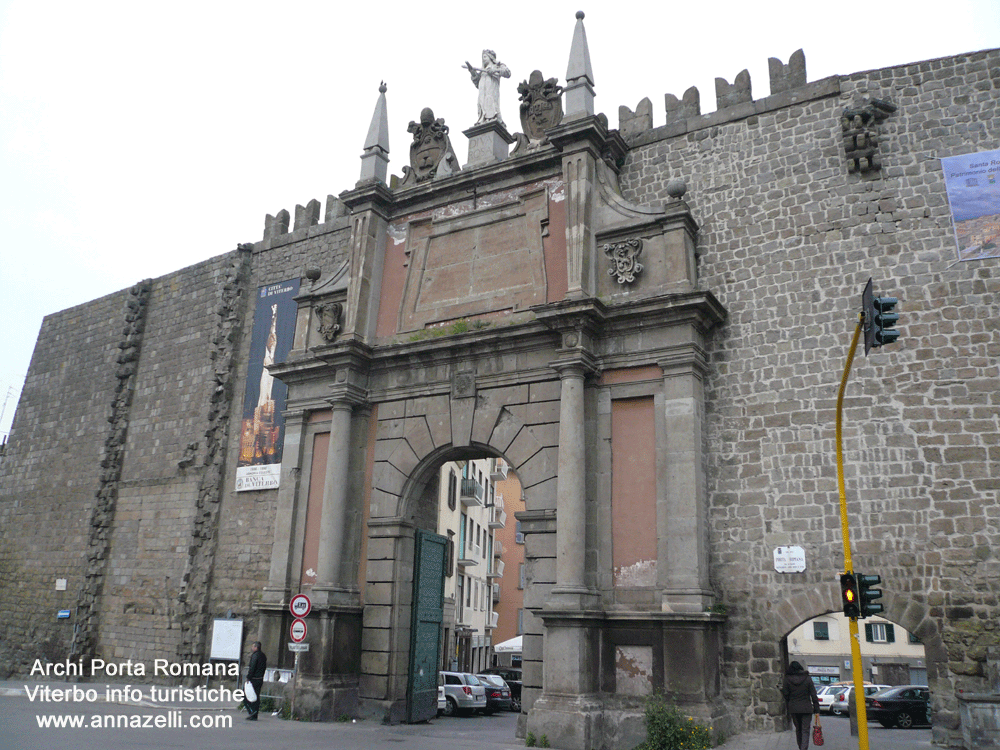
x,y
227,638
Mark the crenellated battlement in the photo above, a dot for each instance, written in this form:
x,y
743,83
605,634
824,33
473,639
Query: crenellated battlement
x,y
305,216
733,100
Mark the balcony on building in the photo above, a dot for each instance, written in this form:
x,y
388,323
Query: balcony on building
x,y
498,516
494,617
497,548
472,493
497,571
498,470
496,593
468,559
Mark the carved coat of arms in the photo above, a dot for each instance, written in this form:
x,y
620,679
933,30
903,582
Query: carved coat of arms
x,y
329,320
541,105
431,153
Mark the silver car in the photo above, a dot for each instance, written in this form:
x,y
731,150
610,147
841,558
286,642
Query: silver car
x,y
841,705
464,693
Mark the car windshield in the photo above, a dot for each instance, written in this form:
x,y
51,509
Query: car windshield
x,y
471,680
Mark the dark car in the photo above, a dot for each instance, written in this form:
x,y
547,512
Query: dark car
x,y
901,706
497,693
512,676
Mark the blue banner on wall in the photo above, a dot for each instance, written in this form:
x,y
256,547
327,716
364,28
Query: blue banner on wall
x,y
262,428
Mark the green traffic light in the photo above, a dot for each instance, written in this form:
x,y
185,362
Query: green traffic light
x,y
867,594
885,320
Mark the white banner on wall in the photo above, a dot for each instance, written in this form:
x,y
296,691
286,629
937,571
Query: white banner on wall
x,y
973,184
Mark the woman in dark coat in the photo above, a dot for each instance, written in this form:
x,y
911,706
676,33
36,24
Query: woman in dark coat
x,y
802,701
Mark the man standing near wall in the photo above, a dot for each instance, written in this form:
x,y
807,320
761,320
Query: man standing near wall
x,y
255,676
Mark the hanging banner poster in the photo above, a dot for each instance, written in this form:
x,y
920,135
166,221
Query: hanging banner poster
x,y
262,429
973,183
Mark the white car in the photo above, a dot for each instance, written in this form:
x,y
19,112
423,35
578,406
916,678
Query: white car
x,y
842,702
826,695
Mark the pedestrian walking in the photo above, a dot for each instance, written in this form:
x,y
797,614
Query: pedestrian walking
x,y
800,697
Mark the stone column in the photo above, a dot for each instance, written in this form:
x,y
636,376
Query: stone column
x,y
330,587
682,515
283,550
571,492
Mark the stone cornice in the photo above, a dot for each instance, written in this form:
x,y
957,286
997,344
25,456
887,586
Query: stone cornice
x,y
370,196
543,164
590,133
583,617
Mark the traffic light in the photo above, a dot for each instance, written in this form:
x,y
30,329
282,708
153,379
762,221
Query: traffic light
x,y
867,595
885,320
879,321
849,595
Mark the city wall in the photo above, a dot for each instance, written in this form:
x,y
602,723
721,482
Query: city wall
x,y
155,542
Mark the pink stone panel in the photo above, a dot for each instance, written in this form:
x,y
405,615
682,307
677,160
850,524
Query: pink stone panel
x,y
317,477
633,492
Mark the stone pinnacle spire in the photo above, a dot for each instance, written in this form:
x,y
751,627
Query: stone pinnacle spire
x,y
579,75
375,159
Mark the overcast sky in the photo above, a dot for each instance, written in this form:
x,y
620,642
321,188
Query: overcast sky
x,y
137,138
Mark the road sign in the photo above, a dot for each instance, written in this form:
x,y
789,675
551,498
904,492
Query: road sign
x,y
295,647
789,559
300,605
298,630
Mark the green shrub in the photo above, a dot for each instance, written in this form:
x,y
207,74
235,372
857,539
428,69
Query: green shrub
x,y
529,740
668,729
544,742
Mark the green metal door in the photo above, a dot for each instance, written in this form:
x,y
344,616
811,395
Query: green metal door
x,y
425,631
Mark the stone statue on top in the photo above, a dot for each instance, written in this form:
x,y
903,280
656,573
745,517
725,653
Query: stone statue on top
x,y
487,80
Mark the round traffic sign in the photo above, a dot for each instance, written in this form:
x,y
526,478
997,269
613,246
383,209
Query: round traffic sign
x,y
298,630
300,605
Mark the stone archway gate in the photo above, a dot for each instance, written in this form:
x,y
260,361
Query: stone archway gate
x,y
547,321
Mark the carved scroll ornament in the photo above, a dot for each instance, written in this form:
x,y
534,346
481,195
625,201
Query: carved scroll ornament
x,y
624,257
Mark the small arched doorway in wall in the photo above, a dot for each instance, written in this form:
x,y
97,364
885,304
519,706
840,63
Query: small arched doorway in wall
x,y
458,509
891,653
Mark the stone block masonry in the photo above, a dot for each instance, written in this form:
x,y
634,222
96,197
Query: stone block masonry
x,y
49,477
789,236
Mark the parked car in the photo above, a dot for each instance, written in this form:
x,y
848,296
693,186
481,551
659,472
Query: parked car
x,y
463,692
901,706
497,693
512,676
442,698
826,695
841,705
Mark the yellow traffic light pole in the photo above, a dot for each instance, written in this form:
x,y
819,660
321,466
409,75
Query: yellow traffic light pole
x,y
859,691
